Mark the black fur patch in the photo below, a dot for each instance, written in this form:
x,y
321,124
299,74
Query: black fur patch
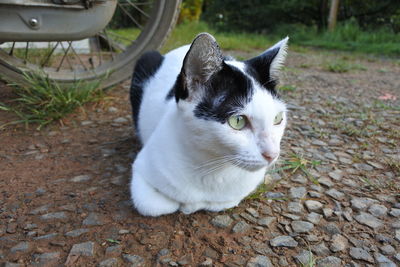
x,y
226,93
146,67
259,69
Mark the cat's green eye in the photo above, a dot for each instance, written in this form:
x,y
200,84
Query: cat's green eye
x,y
278,118
237,122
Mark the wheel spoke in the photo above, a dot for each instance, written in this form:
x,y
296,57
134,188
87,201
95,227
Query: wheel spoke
x,y
65,56
79,58
12,49
49,55
130,16
26,52
138,9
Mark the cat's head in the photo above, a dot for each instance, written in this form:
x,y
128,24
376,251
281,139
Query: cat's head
x,y
231,108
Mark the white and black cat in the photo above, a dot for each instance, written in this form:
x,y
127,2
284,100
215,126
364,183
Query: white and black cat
x,y
210,126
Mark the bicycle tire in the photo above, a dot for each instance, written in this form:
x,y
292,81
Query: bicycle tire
x,y
159,26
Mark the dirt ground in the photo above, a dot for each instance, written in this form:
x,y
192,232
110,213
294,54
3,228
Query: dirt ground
x,y
64,196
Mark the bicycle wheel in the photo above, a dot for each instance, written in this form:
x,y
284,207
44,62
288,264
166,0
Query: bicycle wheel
x,y
136,27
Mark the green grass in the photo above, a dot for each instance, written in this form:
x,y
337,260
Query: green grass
x,y
43,101
342,66
347,37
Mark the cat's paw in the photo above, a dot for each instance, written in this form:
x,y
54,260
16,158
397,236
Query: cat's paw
x,y
189,208
150,202
219,206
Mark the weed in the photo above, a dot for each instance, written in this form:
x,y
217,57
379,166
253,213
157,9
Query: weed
x,y
112,241
43,101
394,166
342,66
287,87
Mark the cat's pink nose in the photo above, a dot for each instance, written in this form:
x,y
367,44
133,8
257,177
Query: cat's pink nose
x,y
269,156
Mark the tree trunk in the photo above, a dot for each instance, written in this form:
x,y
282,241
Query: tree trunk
x,y
333,14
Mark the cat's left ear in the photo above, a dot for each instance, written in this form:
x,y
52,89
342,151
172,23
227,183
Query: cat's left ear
x,y
267,65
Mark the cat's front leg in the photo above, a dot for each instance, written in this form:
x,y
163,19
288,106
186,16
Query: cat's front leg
x,y
188,208
149,201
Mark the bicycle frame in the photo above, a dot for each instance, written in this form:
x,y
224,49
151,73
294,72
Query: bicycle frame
x,y
42,20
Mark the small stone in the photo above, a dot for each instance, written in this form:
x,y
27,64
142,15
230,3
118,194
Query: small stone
x,y
112,262
48,258
112,109
362,203
113,251
266,221
336,175
363,167
120,120
297,192
81,178
313,205
312,238
328,212
397,234
333,193
369,220
397,257
329,261
360,254
320,249
11,264
388,250
82,249
40,210
305,258
45,237
241,227
211,253
40,192
134,260
123,232
253,212
314,217
207,263
274,195
325,181
20,247
378,210
302,226
299,179
332,228
259,261
30,226
395,212
283,241
77,232
11,228
295,207
383,260
222,221
92,219
339,243
54,216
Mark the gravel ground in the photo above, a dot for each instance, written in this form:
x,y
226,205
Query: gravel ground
x,y
64,197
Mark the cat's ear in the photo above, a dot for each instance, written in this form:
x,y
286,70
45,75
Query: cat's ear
x,y
267,65
203,59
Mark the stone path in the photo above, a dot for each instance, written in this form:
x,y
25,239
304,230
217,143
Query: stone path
x,y
64,198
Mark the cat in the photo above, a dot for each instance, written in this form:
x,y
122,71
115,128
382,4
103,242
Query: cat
x,y
210,126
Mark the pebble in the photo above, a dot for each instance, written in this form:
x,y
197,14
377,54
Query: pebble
x,y
241,227
332,229
336,175
40,210
112,262
314,217
120,120
93,219
388,250
360,254
295,207
221,221
333,193
383,260
397,234
329,261
327,212
378,210
339,243
266,221
11,264
54,216
362,203
77,232
134,260
363,167
81,178
48,258
395,212
325,181
45,237
82,249
297,192
313,205
207,263
20,247
304,258
369,220
302,226
283,241
259,261
113,251
299,179
320,249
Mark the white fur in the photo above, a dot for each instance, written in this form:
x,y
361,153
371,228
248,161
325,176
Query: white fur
x,y
188,163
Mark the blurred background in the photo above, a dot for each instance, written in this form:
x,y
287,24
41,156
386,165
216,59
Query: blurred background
x,y
367,26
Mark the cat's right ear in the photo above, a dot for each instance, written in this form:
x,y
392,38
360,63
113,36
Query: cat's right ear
x,y
203,59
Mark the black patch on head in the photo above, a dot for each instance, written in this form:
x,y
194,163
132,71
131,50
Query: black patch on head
x,y
179,89
259,69
145,68
226,92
